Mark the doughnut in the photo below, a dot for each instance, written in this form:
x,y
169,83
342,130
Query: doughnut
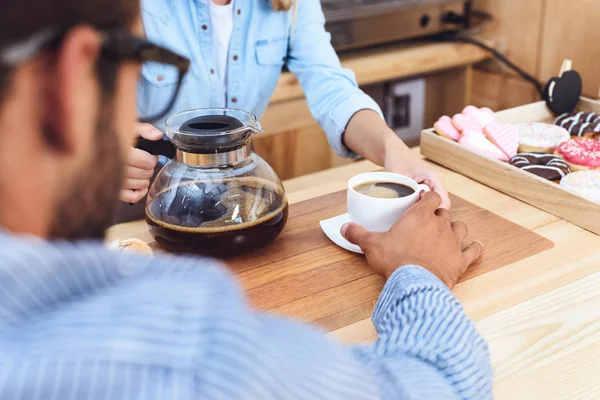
x,y
444,128
580,124
505,136
476,141
580,154
538,137
583,183
546,166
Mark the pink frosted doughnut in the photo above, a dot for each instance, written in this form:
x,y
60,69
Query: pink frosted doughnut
x,y
581,154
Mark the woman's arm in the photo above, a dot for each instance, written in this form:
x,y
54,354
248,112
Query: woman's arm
x,y
352,120
368,135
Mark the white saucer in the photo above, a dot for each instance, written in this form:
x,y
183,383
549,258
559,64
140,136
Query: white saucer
x,y
332,226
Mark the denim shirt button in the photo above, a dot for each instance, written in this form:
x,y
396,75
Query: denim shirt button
x,y
234,100
212,71
239,11
235,58
204,27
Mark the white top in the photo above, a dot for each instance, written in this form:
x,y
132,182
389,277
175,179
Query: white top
x,y
222,26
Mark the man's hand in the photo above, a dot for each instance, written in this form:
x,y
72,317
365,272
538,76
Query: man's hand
x,y
140,166
424,236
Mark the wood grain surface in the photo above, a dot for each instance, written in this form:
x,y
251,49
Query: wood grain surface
x,y
304,275
557,353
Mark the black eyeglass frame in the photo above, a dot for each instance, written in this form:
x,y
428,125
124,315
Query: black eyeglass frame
x,y
117,46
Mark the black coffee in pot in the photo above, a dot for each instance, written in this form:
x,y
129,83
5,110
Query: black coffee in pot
x,y
218,218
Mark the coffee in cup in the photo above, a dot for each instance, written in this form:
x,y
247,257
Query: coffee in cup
x,y
377,200
384,190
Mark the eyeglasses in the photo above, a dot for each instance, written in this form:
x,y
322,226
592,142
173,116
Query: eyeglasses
x,y
117,46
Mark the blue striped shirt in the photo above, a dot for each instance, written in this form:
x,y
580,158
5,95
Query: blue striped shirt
x,y
79,322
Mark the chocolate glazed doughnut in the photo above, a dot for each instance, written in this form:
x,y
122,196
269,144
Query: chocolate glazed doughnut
x,y
543,165
580,124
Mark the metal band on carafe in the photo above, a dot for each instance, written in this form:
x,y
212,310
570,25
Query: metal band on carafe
x,y
214,159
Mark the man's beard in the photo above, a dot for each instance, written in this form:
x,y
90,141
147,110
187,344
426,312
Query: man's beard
x,y
87,209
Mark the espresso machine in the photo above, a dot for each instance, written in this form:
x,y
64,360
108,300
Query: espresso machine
x,y
363,23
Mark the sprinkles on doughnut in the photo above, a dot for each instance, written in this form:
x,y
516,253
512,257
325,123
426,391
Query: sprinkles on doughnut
x,y
584,183
539,137
580,154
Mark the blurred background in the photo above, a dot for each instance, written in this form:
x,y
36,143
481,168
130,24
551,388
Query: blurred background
x,y
411,57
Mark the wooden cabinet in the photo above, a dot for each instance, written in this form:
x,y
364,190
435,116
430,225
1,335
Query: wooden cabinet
x,y
537,35
570,30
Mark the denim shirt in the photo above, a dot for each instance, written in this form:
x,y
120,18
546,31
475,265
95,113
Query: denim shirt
x,y
259,48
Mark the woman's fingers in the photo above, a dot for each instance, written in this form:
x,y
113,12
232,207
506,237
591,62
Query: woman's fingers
x,y
136,184
147,131
138,173
142,159
132,196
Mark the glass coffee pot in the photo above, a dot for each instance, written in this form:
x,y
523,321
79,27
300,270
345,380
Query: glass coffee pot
x,y
216,196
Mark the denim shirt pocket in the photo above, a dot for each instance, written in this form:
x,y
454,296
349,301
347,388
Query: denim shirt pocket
x,y
158,9
272,52
160,75
270,58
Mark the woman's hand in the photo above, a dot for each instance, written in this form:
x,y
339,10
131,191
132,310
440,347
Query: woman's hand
x,y
368,135
398,160
140,166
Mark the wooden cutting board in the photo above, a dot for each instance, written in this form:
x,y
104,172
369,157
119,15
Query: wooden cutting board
x,y
304,275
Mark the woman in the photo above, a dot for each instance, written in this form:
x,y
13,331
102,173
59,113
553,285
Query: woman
x,y
238,49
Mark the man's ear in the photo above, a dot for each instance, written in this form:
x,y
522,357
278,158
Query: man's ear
x,y
72,90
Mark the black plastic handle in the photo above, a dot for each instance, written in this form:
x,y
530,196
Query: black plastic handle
x,y
156,147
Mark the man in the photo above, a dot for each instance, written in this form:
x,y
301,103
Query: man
x,y
78,322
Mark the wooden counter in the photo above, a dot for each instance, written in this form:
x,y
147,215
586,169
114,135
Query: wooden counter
x,y
541,316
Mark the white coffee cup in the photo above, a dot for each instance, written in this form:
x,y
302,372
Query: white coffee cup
x,y
380,214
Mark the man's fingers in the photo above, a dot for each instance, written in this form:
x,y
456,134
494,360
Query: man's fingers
x,y
148,131
460,230
473,252
138,173
136,184
132,196
355,234
444,214
141,159
430,202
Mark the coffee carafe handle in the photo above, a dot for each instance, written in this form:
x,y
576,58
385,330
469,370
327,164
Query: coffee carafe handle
x,y
156,147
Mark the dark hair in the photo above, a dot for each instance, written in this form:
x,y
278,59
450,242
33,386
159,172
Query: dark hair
x,y
21,19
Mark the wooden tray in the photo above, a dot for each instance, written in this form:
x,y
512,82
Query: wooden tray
x,y
304,275
538,192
